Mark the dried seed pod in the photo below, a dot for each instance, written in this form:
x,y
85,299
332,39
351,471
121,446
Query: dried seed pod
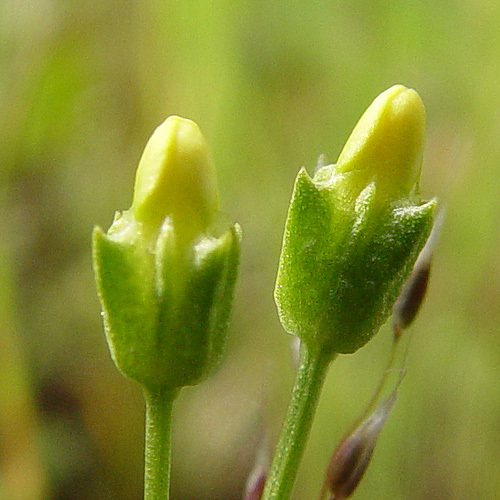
x,y
411,298
352,456
355,229
413,293
258,476
255,484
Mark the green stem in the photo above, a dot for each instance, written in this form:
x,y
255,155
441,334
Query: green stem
x,y
298,421
159,404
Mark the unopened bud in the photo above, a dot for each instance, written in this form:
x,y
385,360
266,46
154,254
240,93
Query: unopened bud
x,y
166,269
355,229
352,457
387,144
176,178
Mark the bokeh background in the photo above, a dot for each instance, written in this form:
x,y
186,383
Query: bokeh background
x,y
272,84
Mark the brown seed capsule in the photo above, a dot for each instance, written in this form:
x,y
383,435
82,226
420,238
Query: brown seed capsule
x,y
411,298
255,485
351,458
258,476
413,293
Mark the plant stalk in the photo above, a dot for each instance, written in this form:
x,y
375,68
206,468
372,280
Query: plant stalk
x,y
298,421
159,403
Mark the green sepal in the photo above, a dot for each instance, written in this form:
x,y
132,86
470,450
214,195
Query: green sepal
x,y
343,262
166,312
307,257
194,312
374,266
125,283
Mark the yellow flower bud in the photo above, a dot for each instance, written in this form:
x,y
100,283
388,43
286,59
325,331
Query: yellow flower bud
x,y
386,146
166,268
176,178
355,229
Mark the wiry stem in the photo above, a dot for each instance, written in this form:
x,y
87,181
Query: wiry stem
x,y
159,404
298,421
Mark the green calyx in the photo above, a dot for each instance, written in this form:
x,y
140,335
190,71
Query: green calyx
x,y
166,287
355,230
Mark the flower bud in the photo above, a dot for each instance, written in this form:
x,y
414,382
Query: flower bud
x,y
387,144
166,269
355,229
176,177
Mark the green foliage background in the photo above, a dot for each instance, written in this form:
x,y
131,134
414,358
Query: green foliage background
x,y
272,85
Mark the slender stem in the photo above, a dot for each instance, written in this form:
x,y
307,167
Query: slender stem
x,y
383,380
298,421
378,391
159,404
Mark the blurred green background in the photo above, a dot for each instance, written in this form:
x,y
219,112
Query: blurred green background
x,y
272,85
